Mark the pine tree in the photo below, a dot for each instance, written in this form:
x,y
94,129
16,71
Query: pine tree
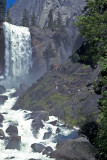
x,y
48,54
50,19
33,20
59,21
9,20
2,9
25,19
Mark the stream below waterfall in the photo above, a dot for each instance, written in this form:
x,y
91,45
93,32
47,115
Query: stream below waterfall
x,y
19,118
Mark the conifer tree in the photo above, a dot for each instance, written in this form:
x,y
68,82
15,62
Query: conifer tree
x,y
2,9
25,19
59,20
48,54
50,19
33,20
9,20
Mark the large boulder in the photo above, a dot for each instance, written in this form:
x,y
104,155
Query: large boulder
x,y
47,150
37,121
1,118
14,143
12,130
47,135
37,147
78,149
2,89
3,99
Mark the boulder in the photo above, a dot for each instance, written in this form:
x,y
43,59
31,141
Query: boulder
x,y
47,150
78,149
47,135
2,133
3,99
14,143
1,118
12,130
2,89
58,131
37,121
37,147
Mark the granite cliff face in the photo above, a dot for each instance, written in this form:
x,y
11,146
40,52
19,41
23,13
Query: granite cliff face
x,y
69,9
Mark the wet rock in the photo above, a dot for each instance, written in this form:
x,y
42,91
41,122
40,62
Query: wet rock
x,y
37,121
2,133
34,159
78,149
37,147
54,122
3,99
58,131
62,138
47,150
2,89
14,143
1,118
47,135
12,130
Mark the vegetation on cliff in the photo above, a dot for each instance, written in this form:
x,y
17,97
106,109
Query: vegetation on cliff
x,y
93,27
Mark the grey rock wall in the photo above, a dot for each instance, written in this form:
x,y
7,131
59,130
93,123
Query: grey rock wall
x,y
69,9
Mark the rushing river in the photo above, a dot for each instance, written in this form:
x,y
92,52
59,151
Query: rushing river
x,y
24,130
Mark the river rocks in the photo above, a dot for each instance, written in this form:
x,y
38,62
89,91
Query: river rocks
x,y
1,118
47,135
37,121
2,89
12,130
47,150
37,147
3,99
2,133
14,143
79,149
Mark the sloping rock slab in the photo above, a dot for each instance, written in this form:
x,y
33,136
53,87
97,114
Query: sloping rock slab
x,y
79,149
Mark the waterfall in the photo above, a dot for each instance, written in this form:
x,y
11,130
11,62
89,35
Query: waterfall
x,y
18,52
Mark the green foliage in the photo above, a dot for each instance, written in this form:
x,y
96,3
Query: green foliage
x,y
33,20
2,9
25,19
93,27
48,54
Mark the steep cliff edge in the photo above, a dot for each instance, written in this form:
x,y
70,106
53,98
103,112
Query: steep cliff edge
x,y
69,9
66,92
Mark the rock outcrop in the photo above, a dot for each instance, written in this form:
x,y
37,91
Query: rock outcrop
x,y
78,149
64,93
69,10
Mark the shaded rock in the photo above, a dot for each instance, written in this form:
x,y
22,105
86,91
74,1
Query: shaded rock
x,y
47,135
1,118
3,99
14,143
90,130
62,138
2,133
12,130
34,159
47,150
2,89
58,131
54,122
37,121
79,149
37,147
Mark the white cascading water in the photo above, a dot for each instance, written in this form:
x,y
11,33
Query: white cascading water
x,y
24,130
18,52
